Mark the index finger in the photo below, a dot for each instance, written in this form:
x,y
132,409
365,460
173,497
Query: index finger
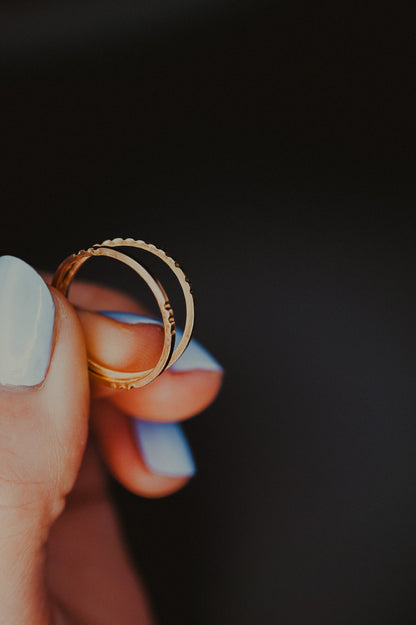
x,y
133,342
116,345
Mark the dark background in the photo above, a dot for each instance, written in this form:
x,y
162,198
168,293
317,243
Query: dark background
x,y
269,147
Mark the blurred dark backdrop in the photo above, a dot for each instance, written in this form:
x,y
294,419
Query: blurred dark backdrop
x,y
269,147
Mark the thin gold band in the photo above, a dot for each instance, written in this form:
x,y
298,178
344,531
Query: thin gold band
x,y
127,380
180,276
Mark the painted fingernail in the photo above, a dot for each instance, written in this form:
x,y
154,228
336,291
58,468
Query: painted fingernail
x,y
164,447
194,357
27,314
132,318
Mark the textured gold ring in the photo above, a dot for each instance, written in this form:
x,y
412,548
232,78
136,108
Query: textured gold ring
x,y
127,380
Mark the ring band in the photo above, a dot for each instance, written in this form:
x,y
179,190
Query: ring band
x,y
127,380
180,276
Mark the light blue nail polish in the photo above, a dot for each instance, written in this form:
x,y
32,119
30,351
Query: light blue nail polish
x,y
27,314
126,317
194,357
165,449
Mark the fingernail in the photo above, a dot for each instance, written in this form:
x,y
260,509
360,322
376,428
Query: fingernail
x,y
126,317
194,357
165,449
27,314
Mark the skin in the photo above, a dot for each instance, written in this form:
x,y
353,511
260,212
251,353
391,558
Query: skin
x,y
62,557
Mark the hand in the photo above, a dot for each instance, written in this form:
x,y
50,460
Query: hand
x,y
62,559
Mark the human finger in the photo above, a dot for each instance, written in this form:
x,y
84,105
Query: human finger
x,y
44,407
148,461
184,390
120,335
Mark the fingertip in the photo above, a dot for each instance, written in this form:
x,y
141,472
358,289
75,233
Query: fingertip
x,y
173,396
27,319
119,345
121,451
196,357
164,448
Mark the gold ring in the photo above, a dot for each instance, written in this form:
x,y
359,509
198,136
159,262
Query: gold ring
x,y
127,380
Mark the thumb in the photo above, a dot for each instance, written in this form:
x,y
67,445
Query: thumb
x,y
44,405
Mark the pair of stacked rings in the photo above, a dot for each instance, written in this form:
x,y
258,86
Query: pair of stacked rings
x,y
170,354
